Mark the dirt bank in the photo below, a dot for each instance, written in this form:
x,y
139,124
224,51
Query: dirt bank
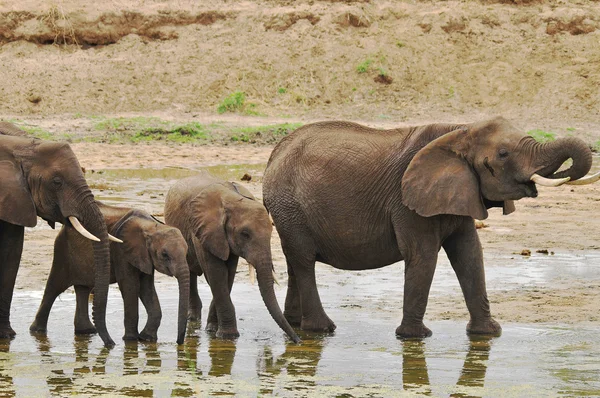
x,y
536,61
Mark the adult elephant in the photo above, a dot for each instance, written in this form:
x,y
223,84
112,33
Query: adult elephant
x,y
41,178
360,198
221,222
149,245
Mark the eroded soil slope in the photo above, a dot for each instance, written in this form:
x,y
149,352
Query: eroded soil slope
x,y
401,61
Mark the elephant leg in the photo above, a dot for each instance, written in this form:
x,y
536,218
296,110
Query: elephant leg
x,y
150,301
83,325
212,322
11,247
292,310
464,251
217,275
195,306
58,281
301,260
418,275
130,292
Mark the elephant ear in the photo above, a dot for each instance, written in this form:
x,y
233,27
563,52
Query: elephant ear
x,y
209,215
136,242
439,180
242,191
16,203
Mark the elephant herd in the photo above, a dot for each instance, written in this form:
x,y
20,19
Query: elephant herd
x,y
339,193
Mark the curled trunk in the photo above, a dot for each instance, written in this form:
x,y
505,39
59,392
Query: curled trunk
x,y
265,284
554,154
183,279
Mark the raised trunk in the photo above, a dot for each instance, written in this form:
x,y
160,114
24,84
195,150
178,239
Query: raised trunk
x,y
264,276
552,155
183,279
93,221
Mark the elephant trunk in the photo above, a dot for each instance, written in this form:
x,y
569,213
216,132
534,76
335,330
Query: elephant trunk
x,y
183,279
93,221
553,154
264,276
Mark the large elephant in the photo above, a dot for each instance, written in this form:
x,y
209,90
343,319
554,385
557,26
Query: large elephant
x,y
360,198
149,245
40,178
221,222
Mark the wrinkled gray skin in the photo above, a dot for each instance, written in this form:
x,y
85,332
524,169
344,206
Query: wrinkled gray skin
x,y
360,198
148,245
221,221
41,178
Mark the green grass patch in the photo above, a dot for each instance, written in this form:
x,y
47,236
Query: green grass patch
x,y
596,146
542,136
363,67
269,134
236,102
188,132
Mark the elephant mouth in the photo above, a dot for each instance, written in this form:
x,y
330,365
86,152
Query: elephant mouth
x,y
530,189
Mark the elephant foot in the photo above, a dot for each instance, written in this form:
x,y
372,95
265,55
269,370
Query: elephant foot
x,y
294,319
413,331
90,330
145,336
488,327
131,337
38,328
212,327
194,315
321,324
85,328
7,332
228,334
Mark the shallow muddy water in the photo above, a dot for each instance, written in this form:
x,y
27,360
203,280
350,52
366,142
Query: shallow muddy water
x,y
362,358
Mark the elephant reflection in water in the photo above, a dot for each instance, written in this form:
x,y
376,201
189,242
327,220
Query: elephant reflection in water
x,y
416,377
299,362
59,382
7,388
220,351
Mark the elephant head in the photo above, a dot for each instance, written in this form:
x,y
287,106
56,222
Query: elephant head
x,y
228,220
481,165
41,178
151,245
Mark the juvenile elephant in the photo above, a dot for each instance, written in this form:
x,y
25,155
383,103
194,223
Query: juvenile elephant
x,y
148,245
40,178
221,221
361,198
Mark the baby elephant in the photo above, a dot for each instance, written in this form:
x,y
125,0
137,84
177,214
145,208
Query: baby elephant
x,y
221,221
148,245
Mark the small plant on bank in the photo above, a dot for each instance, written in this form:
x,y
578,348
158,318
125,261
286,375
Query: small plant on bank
x,y
232,103
363,67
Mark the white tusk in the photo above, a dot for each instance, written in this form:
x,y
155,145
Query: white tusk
x,y
547,182
110,237
252,272
586,180
77,225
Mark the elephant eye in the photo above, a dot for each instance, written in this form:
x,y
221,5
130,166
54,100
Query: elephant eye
x,y
502,153
245,234
165,254
57,181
